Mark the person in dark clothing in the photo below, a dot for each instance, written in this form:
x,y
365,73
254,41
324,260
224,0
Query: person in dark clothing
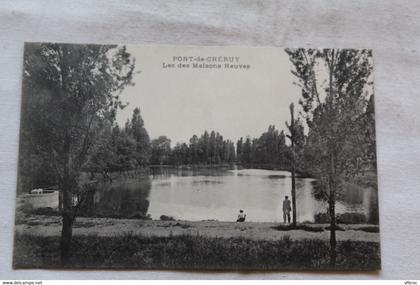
x,y
241,216
287,208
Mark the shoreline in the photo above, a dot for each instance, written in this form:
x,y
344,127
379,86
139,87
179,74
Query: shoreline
x,y
85,226
102,243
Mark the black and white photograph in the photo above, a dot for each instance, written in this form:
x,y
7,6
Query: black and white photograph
x,y
197,158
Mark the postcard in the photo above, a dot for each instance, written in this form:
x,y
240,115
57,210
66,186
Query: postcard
x,y
197,157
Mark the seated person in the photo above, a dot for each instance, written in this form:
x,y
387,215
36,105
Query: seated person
x,y
241,216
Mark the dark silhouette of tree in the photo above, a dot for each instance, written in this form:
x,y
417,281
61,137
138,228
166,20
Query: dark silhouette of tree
x,y
70,90
246,152
136,130
208,149
194,150
334,113
161,150
239,149
269,149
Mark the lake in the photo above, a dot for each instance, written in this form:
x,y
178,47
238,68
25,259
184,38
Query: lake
x,y
218,194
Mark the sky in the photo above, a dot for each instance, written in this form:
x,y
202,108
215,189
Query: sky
x,y
179,102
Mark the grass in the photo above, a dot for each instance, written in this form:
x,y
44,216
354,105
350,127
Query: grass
x,y
192,252
169,225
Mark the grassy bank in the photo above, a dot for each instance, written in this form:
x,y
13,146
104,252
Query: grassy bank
x,y
193,251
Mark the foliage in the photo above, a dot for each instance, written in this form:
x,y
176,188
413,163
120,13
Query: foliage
x,y
269,148
166,218
345,218
304,227
336,89
161,150
119,149
368,229
70,92
206,149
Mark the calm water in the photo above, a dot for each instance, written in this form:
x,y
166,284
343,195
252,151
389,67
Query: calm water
x,y
217,195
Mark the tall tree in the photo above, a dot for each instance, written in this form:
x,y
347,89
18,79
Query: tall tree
x,y
205,147
246,152
194,149
161,150
333,112
69,91
137,130
239,149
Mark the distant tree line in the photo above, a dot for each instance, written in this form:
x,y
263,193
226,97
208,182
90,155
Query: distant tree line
x,y
270,148
207,149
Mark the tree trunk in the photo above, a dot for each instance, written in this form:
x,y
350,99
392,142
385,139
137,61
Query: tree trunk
x,y
292,136
293,186
332,172
60,201
67,185
331,204
333,240
68,218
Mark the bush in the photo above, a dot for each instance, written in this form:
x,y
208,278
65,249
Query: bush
x,y
322,218
298,227
166,218
352,218
345,218
45,211
368,229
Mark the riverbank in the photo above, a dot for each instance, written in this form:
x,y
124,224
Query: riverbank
x,y
121,243
51,226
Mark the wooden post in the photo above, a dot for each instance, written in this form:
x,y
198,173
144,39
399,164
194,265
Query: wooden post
x,y
292,139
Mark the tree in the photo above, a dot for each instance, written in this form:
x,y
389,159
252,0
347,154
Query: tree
x,y
246,152
179,154
161,150
69,92
142,142
205,147
194,149
102,156
239,149
333,113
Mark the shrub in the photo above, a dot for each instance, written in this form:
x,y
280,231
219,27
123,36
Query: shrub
x,y
368,229
45,211
298,227
166,218
345,218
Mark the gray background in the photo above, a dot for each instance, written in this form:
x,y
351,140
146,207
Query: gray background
x,y
390,28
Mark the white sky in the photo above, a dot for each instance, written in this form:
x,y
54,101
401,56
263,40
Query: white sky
x,y
181,102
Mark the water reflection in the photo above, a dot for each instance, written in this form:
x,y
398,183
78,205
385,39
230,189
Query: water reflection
x,y
218,194
127,198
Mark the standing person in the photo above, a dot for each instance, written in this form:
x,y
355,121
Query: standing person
x,y
287,208
241,216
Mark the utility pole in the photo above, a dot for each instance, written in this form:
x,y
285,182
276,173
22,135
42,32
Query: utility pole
x,y
292,139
